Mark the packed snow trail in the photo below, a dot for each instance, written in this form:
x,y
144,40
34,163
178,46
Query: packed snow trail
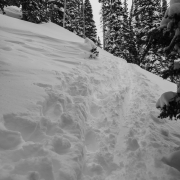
x,y
67,117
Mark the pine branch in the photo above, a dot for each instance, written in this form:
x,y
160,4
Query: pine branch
x,y
172,110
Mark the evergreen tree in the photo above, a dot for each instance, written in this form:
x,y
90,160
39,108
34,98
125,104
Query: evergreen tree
x,y
169,35
115,26
79,20
34,11
162,39
74,17
71,14
102,12
105,18
90,27
127,45
56,8
166,71
162,63
146,17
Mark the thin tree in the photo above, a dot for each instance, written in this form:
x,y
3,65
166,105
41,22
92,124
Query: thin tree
x,y
105,20
103,24
84,30
103,2
64,16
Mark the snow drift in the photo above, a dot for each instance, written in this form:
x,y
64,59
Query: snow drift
x,y
64,116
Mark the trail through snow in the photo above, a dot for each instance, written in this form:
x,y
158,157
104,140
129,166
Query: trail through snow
x,y
67,117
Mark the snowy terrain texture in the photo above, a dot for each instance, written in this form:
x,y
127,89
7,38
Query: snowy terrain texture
x,y
64,116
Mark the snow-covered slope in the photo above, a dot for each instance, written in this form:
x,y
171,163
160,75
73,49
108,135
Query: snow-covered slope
x,y
64,116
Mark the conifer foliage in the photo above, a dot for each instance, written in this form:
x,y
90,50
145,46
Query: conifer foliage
x,y
105,14
74,16
90,27
127,32
38,11
142,41
79,21
112,19
115,25
56,8
146,17
34,11
172,110
71,15
128,45
170,26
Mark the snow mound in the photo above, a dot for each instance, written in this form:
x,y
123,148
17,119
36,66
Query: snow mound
x,y
64,116
12,11
165,99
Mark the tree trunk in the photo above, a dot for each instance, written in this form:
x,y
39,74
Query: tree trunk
x,y
64,16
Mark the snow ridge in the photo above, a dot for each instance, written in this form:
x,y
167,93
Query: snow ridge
x,y
67,117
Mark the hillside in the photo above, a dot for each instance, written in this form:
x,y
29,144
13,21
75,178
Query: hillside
x,y
64,116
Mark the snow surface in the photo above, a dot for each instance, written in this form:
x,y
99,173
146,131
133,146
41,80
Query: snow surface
x,y
64,116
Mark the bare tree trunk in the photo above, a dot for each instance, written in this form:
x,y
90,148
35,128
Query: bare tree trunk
x,y
103,25
131,11
83,6
64,16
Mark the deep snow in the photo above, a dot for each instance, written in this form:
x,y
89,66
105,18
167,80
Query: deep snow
x,y
64,116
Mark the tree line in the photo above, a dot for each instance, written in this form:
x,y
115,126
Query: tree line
x,y
127,33
148,34
76,12
131,34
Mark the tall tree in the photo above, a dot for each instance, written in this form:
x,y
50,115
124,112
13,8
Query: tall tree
x,y
170,107
80,20
127,36
146,17
34,11
115,28
56,11
105,17
74,16
71,15
129,50
90,27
